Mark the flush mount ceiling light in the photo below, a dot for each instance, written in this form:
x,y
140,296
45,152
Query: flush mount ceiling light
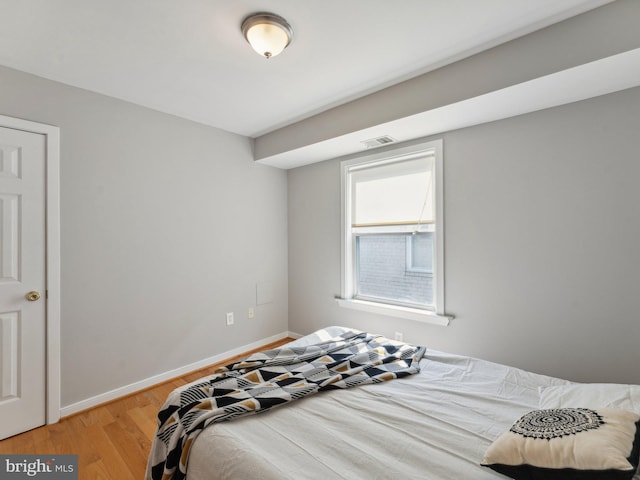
x,y
267,33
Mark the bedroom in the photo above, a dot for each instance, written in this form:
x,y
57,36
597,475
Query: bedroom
x,y
152,259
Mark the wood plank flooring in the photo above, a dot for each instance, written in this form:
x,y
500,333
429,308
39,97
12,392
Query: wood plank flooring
x,y
112,441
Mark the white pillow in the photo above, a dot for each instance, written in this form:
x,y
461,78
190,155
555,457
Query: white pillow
x,y
591,395
568,443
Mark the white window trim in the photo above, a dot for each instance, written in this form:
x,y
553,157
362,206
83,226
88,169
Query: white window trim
x,y
398,311
438,317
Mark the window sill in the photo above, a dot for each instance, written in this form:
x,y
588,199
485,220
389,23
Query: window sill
x,y
396,311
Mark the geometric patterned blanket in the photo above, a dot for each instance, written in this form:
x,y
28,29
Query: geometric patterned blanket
x,y
268,379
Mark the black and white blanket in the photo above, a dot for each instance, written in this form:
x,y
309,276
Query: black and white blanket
x,y
268,379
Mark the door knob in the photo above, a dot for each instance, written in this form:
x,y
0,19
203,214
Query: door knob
x,y
33,296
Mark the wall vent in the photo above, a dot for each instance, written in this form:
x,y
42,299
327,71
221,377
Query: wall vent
x,y
378,141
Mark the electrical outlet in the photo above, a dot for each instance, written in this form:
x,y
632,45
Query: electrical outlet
x,y
251,312
230,318
399,336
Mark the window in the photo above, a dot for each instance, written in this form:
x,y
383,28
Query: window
x,y
392,252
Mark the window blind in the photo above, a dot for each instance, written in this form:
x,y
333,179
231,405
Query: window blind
x,y
399,193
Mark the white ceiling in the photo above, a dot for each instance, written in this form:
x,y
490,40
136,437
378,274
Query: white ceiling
x,y
189,58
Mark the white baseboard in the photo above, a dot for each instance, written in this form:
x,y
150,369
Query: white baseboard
x,y
294,335
163,377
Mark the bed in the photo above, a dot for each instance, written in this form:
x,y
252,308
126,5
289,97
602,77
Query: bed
x,y
436,424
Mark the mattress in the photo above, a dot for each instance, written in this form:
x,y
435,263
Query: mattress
x,y
434,425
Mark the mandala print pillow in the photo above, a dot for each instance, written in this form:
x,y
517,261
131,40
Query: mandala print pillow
x,y
568,444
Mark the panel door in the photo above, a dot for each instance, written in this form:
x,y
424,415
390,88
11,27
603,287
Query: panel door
x,y
22,281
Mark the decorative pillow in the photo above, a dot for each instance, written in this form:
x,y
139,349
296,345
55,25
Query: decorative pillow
x,y
591,395
568,444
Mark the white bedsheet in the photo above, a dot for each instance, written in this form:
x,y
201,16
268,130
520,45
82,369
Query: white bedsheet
x,y
435,425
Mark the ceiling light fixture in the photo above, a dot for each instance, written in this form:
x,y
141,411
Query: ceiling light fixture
x,y
267,33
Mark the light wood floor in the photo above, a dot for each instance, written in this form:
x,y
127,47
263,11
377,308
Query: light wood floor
x,y
112,441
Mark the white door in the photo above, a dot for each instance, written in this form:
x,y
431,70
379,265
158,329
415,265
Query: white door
x,y
22,281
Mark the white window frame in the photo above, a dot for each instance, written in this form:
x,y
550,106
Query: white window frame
x,y
348,288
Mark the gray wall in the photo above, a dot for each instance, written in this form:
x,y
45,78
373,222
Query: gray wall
x,y
166,225
542,227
